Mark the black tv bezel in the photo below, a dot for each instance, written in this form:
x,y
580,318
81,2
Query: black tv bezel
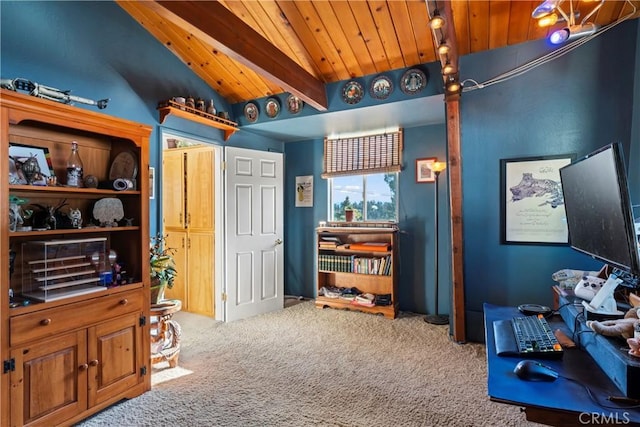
x,y
626,207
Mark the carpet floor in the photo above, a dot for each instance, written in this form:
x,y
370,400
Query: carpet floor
x,y
302,366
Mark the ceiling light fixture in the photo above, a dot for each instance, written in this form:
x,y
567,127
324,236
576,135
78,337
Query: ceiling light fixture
x,y
573,32
548,20
546,8
453,85
443,48
448,69
547,15
437,21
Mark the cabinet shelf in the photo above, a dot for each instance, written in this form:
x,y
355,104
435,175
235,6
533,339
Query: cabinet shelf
x,y
69,190
65,231
198,116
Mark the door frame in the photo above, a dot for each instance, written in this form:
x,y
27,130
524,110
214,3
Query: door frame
x,y
219,262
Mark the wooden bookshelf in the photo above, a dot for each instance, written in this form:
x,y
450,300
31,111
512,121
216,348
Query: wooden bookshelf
x,y
369,271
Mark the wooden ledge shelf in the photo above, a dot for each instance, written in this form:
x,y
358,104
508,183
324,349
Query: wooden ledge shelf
x,y
198,116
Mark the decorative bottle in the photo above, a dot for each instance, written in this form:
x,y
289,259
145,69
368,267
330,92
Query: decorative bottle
x,y
74,167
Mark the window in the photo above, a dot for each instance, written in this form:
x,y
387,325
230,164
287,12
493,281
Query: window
x,y
377,192
363,175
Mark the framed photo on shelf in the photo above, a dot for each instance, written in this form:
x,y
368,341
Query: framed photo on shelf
x,y
19,153
423,170
531,201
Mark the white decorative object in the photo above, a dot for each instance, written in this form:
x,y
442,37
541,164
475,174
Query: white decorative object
x,y
108,211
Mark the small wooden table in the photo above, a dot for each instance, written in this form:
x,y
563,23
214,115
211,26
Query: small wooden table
x,y
165,332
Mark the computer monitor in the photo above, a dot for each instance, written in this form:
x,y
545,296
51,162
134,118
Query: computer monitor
x,y
599,213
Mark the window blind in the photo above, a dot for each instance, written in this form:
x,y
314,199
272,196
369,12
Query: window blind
x,y
361,155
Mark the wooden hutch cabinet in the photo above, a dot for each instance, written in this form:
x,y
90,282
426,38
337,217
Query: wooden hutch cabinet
x,y
74,335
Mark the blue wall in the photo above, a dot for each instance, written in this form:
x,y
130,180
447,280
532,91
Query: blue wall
x,y
416,221
575,104
586,99
98,51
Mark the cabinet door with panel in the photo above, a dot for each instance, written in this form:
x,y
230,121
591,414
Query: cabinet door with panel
x,y
173,189
113,357
200,189
176,239
49,382
200,262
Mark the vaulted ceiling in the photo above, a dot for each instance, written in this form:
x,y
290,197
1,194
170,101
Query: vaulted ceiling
x,y
248,49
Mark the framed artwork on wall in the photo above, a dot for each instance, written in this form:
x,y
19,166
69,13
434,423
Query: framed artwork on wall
x,y
531,201
152,182
423,170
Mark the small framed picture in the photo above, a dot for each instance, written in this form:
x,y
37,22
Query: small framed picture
x,y
423,170
18,154
152,182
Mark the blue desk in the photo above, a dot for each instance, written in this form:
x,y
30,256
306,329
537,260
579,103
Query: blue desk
x,y
562,402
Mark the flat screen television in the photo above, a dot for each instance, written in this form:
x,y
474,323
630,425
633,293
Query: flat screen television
x,y
598,208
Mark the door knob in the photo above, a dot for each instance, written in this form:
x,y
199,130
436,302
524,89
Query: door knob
x,y
278,241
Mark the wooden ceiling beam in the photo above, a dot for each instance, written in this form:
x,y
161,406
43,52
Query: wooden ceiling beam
x,y
219,27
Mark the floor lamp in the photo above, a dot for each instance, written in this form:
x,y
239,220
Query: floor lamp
x,y
437,318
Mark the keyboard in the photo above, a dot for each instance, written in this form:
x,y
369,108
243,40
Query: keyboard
x,y
527,336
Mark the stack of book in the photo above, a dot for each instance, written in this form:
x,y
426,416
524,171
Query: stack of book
x,y
371,246
329,242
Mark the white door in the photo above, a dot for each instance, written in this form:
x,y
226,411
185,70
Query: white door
x,y
254,232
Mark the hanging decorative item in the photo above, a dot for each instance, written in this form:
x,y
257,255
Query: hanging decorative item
x,y
272,107
381,87
251,112
413,81
352,92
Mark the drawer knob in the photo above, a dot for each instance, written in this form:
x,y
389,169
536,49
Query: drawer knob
x,y
124,301
94,362
45,322
83,367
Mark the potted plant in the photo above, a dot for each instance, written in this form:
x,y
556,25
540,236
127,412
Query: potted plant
x,y
163,267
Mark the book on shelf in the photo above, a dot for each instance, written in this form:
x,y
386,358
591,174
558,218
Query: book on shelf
x,y
371,246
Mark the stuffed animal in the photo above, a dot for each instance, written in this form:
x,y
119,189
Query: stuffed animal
x,y
619,327
634,346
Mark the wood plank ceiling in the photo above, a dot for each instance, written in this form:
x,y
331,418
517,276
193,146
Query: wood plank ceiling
x,y
298,46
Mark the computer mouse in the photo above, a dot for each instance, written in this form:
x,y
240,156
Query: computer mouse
x,y
530,370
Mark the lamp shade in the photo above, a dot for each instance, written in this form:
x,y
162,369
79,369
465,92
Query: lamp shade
x,y
438,166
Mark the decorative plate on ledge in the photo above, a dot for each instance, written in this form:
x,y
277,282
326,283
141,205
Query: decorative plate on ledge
x,y
413,81
272,107
352,92
251,112
294,104
381,87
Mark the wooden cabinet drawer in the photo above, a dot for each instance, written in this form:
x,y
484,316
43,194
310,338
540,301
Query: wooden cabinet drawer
x,y
45,323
